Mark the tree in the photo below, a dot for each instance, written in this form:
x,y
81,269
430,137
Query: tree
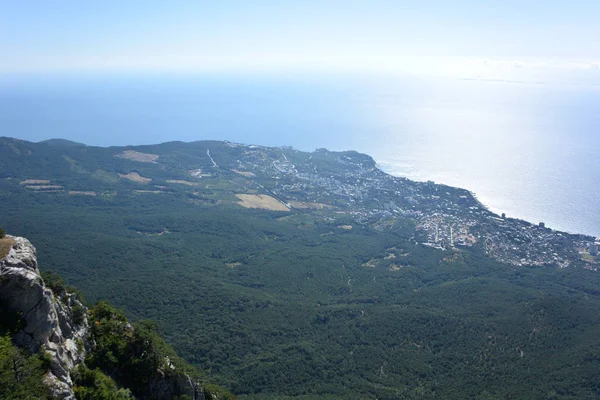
x,y
2,233
21,373
93,384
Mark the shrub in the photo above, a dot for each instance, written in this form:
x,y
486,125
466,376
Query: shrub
x,y
93,384
54,282
78,314
21,373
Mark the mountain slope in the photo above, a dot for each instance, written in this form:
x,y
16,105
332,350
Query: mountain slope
x,y
313,275
75,359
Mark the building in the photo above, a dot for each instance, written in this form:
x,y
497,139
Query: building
x,y
593,249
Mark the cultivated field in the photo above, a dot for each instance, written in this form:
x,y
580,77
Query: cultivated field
x,y
35,182
247,174
45,187
260,201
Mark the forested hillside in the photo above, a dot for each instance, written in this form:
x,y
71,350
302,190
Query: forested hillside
x,y
59,349
313,301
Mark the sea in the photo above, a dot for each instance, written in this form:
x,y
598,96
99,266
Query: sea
x,y
527,149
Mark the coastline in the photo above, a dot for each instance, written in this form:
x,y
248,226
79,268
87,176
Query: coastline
x,y
513,214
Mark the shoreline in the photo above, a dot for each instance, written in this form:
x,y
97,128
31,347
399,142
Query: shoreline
x,y
487,207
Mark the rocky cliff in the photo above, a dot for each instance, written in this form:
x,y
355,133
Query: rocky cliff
x,y
56,322
50,323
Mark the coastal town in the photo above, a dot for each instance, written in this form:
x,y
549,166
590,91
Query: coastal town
x,y
445,217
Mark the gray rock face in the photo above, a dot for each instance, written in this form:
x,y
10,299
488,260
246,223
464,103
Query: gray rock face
x,y
49,320
169,388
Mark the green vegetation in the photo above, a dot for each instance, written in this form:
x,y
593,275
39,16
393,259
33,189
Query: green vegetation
x,y
2,233
56,283
123,361
288,305
21,373
135,356
93,384
300,316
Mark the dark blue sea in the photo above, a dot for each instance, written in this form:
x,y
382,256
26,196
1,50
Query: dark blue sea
x,y
528,149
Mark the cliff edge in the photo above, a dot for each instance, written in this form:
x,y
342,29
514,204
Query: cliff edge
x,y
50,323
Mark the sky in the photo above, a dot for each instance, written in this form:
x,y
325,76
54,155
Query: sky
x,y
506,39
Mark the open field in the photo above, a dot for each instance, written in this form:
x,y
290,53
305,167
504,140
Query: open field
x,y
81,193
260,201
150,191
182,182
247,174
135,177
234,264
35,182
45,187
137,156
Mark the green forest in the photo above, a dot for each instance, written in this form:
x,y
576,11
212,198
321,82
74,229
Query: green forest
x,y
124,361
290,305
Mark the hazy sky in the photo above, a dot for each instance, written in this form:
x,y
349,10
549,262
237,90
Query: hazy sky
x,y
468,37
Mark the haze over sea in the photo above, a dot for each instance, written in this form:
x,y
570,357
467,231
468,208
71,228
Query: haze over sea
x,y
527,149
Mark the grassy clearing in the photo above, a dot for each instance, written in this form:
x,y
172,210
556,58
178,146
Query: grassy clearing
x,y
105,176
182,182
247,174
5,245
81,193
35,182
135,177
260,201
45,187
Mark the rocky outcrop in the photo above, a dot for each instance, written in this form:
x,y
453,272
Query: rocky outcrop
x,y
50,322
170,387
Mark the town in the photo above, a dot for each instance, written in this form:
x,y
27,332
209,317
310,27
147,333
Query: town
x,y
446,217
